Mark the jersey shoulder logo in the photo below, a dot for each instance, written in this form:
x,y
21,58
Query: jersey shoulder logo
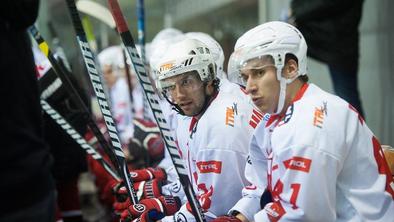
x,y
319,114
230,114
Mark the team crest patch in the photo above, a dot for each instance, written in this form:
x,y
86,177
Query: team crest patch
x,y
288,115
230,113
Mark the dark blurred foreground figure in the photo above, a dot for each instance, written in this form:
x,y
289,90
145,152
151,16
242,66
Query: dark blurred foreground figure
x,y
27,188
331,30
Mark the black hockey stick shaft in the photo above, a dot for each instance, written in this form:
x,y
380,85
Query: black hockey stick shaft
x,y
62,73
95,79
141,41
141,28
165,131
128,76
62,122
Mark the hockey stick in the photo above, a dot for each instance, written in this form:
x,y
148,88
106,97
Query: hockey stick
x,y
61,71
77,137
165,132
97,11
102,14
89,59
141,41
141,28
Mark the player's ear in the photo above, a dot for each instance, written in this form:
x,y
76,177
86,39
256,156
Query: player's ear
x,y
290,69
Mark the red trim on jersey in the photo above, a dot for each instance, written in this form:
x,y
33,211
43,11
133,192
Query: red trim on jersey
x,y
297,97
192,123
300,92
360,118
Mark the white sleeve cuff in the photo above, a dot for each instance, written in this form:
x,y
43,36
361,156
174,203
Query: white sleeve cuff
x,y
247,206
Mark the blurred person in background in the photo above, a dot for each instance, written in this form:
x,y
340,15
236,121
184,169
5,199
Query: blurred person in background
x,y
27,189
331,30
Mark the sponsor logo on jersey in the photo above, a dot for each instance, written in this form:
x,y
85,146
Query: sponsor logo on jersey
x,y
210,166
274,211
298,163
230,113
256,118
319,114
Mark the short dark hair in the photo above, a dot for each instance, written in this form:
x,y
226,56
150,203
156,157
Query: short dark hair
x,y
303,78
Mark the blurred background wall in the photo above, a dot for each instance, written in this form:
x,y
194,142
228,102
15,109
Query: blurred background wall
x,y
226,20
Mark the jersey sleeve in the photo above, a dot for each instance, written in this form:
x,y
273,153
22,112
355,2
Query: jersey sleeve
x,y
255,173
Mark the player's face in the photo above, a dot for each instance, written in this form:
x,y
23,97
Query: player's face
x,y
187,91
261,84
109,75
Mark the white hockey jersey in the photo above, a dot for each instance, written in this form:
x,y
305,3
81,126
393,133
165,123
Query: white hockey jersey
x,y
321,163
122,110
215,149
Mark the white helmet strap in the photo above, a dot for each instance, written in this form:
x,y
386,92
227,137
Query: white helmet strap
x,y
283,82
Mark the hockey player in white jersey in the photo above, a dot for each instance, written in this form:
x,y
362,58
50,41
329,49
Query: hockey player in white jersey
x,y
315,155
213,129
121,106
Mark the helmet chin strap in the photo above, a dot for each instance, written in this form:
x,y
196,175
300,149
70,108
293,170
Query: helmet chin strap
x,y
283,82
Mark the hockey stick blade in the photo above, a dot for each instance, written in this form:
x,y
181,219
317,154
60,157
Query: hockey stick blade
x,y
154,104
97,11
95,79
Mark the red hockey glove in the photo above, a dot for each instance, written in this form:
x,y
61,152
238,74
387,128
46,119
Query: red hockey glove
x,y
148,174
148,216
226,219
167,205
145,190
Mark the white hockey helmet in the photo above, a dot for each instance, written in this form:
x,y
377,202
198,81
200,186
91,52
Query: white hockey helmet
x,y
109,56
214,47
275,39
186,56
161,42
